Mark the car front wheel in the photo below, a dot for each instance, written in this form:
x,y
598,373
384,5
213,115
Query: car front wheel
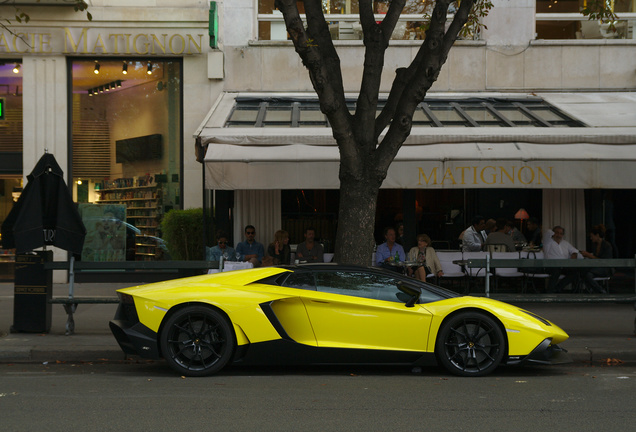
x,y
470,344
197,341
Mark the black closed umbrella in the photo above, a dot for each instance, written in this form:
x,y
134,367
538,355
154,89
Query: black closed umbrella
x,y
45,213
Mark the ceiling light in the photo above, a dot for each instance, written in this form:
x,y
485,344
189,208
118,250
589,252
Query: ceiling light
x,y
16,68
90,92
96,70
107,87
124,68
118,82
149,69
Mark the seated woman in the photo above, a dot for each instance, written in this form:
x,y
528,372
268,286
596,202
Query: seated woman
x,y
601,249
425,255
279,249
221,249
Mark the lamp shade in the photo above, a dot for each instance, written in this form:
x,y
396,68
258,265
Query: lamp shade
x,y
522,214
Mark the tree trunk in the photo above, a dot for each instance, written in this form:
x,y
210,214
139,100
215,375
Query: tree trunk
x,y
356,222
356,219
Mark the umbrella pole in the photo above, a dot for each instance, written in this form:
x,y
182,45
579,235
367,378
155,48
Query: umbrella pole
x,y
71,307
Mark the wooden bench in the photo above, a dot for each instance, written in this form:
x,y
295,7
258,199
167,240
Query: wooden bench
x,y
169,269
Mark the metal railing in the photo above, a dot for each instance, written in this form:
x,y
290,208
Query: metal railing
x,y
527,263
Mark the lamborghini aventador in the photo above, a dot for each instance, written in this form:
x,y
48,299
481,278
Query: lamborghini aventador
x,y
325,314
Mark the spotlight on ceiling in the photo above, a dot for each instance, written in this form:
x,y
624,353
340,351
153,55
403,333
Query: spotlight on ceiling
x,y
107,87
96,70
149,69
90,92
16,68
118,82
124,68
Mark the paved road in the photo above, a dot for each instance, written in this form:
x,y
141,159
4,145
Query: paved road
x,y
147,396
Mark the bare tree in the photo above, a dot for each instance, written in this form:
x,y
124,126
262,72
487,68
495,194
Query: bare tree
x,y
364,158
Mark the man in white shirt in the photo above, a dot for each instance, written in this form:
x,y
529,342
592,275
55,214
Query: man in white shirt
x,y
473,238
554,247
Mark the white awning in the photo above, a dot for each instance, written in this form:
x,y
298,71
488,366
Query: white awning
x,y
486,157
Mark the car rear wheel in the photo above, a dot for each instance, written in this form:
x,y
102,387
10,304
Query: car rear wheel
x,y
470,344
197,341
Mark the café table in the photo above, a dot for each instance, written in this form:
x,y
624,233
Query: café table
x,y
404,265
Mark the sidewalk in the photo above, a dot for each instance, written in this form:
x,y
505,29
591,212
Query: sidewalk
x,y
597,331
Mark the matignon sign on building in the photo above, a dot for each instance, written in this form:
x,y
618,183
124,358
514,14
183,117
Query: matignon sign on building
x,y
88,41
485,176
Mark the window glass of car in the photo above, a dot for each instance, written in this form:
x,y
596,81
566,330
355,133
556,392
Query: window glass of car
x,y
301,280
359,284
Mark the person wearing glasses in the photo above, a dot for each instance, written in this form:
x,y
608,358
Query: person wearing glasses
x,y
250,250
222,249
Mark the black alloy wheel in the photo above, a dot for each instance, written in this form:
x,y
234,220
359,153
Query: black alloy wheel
x,y
197,341
470,344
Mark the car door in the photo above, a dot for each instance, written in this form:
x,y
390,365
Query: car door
x,y
366,310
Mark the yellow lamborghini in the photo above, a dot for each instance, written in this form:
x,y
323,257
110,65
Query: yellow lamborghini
x,y
325,314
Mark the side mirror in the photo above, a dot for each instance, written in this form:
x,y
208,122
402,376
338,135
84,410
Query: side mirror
x,y
412,291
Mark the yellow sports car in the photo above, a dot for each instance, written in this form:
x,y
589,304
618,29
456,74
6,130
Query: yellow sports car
x,y
325,314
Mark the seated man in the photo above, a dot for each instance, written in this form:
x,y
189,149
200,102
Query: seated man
x,y
554,247
389,250
535,232
310,250
501,236
250,250
473,238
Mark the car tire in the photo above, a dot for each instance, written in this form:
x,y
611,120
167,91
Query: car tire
x,y
470,344
197,341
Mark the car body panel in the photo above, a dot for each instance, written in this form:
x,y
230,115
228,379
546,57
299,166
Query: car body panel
x,y
342,321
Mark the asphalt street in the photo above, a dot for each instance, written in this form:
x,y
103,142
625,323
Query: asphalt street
x,y
599,333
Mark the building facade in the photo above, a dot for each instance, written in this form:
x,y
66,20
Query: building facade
x,y
122,99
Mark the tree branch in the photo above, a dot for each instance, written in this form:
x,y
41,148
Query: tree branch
x,y
315,48
418,78
376,41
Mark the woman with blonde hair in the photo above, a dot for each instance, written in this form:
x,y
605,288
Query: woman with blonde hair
x,y
425,255
279,249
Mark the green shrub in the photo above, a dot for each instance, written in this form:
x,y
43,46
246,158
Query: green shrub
x,y
183,232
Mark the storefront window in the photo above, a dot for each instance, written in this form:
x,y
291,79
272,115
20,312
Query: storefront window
x,y
126,154
562,19
10,150
343,19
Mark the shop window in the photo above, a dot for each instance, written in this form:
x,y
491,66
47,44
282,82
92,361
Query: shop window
x,y
10,150
343,19
126,152
562,19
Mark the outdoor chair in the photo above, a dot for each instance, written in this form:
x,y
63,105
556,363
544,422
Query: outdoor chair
x,y
533,274
502,273
474,273
452,272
